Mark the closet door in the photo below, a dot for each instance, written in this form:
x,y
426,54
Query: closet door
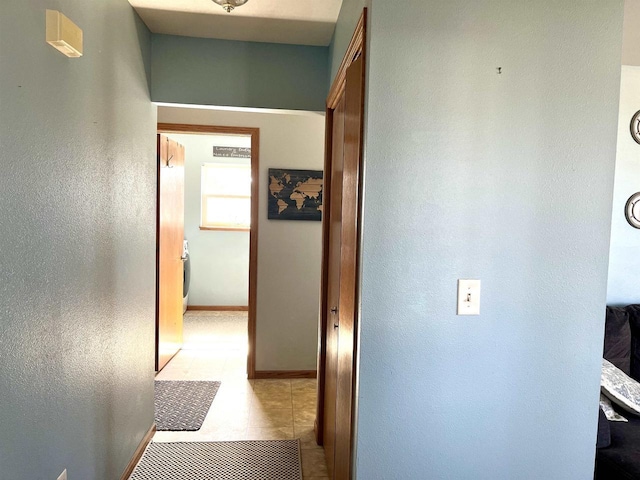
x,y
333,285
170,224
348,270
341,234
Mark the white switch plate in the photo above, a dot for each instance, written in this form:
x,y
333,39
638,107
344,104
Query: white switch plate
x,y
63,475
468,297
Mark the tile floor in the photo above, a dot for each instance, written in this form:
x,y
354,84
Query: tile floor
x,y
215,348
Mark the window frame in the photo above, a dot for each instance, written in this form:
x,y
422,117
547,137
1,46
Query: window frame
x,y
205,196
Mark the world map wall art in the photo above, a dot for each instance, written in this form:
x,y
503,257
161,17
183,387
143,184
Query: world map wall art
x,y
295,194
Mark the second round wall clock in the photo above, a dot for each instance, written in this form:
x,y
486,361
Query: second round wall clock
x,y
632,210
635,127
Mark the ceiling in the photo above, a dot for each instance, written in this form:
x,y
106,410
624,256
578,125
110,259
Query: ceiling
x,y
302,22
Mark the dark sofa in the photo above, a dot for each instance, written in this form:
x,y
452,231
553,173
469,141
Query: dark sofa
x,y
621,458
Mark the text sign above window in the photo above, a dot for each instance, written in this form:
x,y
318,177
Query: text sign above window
x,y
231,152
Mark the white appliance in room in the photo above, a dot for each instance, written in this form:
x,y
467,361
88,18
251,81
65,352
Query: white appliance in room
x,y
186,262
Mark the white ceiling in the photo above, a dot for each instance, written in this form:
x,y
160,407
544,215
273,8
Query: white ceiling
x,y
303,22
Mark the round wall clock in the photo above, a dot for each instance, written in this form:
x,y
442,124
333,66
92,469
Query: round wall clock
x,y
635,127
632,210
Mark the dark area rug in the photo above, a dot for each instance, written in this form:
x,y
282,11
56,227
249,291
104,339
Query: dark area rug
x,y
254,460
182,405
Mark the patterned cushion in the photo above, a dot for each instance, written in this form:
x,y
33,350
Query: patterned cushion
x,y
620,388
609,412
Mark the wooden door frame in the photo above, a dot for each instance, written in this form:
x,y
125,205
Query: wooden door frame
x,y
253,233
356,48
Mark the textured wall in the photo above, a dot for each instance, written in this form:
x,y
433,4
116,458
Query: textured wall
x,y
289,252
624,261
350,13
219,259
206,71
77,236
506,178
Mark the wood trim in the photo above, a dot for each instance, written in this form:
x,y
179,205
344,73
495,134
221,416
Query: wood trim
x,y
354,50
227,229
218,308
269,374
137,455
253,232
206,129
157,213
215,195
253,252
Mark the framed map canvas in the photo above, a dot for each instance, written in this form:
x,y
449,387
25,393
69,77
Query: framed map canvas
x,y
295,194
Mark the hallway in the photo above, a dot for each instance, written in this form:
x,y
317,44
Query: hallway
x,y
215,348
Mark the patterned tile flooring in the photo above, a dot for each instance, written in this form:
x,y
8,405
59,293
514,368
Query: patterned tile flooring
x,y
215,348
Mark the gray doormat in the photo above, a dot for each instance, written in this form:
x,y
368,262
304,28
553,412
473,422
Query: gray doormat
x,y
182,406
251,460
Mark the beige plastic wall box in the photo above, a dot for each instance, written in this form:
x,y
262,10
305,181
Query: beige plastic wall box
x,y
63,34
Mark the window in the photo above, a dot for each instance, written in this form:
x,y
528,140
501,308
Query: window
x,y
226,196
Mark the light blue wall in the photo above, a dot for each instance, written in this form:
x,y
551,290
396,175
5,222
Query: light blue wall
x,y
77,236
241,74
624,261
505,178
219,259
350,13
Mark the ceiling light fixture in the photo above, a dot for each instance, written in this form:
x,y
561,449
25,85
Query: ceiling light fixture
x,y
229,5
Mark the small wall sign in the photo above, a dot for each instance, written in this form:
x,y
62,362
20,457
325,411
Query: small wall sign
x,y
231,152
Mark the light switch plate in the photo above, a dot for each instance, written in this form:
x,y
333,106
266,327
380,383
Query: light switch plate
x,y
468,297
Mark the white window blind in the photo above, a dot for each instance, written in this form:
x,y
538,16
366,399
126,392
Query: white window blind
x,y
226,196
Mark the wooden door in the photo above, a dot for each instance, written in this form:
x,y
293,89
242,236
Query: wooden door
x,y
348,269
341,234
170,224
333,285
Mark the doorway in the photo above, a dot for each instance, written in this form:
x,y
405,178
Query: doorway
x,y
234,160
274,406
